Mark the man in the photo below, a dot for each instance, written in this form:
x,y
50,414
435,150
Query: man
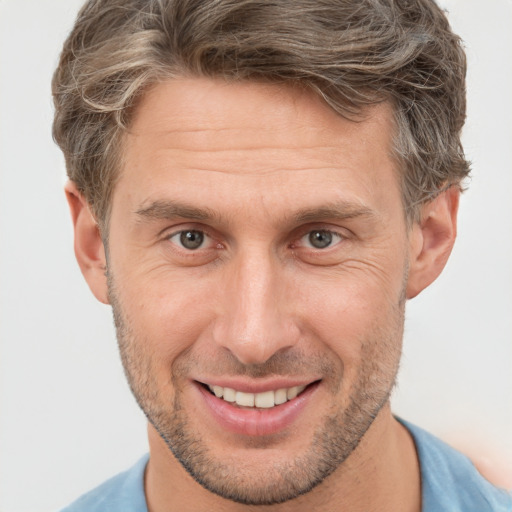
x,y
257,188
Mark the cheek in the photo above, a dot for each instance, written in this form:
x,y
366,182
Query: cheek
x,y
353,308
167,311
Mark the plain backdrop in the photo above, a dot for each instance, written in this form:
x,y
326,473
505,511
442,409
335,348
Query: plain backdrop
x,y
67,418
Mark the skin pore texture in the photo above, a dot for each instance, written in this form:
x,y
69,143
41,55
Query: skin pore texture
x,y
257,241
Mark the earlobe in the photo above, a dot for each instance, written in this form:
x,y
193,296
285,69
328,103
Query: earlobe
x,y
431,240
89,248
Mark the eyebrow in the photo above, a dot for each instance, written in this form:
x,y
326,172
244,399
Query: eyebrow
x,y
339,210
169,210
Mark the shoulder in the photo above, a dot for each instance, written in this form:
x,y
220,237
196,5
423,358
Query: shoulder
x,y
450,481
121,493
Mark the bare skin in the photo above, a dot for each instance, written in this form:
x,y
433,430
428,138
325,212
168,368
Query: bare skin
x,y
299,274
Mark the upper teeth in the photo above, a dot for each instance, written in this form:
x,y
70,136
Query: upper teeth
x,y
264,400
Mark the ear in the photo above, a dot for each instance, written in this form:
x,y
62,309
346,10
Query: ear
x,y
431,240
89,249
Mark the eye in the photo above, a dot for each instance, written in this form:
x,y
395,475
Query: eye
x,y
321,239
189,239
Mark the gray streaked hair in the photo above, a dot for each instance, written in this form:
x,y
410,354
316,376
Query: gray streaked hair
x,y
352,53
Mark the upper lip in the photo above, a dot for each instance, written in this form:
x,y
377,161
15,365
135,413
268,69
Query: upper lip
x,y
246,386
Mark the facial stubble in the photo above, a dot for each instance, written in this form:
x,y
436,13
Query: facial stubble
x,y
336,437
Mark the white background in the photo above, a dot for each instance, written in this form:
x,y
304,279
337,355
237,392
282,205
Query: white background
x,y
67,418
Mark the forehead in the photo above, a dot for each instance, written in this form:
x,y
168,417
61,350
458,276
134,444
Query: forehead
x,y
186,110
245,140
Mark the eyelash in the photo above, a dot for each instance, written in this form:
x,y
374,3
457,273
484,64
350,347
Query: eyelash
x,y
335,239
332,234
179,233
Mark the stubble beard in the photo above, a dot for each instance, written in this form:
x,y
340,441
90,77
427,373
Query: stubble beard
x,y
335,439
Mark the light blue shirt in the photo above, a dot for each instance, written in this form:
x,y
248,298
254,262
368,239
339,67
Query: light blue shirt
x,y
450,483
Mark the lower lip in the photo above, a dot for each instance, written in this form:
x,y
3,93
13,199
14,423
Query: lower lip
x,y
256,422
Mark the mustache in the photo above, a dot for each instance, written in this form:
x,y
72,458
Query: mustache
x,y
287,363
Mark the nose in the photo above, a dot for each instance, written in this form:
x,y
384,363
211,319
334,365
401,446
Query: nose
x,y
257,320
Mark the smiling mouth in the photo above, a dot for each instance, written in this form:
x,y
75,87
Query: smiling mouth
x,y
264,400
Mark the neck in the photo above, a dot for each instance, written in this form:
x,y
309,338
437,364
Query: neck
x,y
382,474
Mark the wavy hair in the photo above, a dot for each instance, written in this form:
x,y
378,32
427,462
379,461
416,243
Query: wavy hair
x,y
352,53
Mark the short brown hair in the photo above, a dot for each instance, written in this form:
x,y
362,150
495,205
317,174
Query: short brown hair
x,y
352,53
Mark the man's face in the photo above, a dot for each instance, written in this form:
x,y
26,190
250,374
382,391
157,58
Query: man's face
x,y
258,244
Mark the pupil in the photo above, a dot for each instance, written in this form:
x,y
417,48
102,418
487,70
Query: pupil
x,y
320,239
191,239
